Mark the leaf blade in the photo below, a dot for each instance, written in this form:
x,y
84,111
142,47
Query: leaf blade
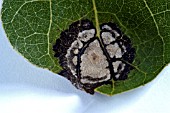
x,y
33,27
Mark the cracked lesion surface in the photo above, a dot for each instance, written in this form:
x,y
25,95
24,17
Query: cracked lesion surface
x,y
88,61
94,65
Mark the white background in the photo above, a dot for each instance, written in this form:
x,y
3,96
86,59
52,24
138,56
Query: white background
x,y
25,88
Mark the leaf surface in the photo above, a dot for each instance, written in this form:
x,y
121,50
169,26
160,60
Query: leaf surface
x,y
32,27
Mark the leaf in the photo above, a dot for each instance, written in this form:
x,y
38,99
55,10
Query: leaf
x,y
32,27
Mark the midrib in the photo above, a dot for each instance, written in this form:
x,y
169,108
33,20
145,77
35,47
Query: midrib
x,y
96,18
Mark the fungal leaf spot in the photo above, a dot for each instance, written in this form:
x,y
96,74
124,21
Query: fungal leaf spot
x,y
89,61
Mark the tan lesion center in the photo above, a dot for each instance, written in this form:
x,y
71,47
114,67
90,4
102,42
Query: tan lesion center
x,y
94,64
93,57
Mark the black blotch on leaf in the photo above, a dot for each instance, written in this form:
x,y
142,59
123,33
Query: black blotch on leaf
x,y
65,52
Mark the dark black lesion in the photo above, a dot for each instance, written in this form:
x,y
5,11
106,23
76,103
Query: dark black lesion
x,y
70,35
94,79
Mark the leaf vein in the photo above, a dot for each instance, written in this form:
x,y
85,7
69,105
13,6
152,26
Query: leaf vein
x,y
159,34
96,18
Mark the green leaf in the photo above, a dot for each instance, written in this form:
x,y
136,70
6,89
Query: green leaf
x,y
32,27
